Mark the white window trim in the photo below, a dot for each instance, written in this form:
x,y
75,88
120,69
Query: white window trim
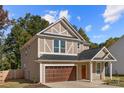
x,y
59,46
56,47
57,53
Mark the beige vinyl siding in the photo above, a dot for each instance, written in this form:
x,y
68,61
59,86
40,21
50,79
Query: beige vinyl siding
x,y
71,47
48,45
60,29
28,55
41,45
82,47
101,55
76,47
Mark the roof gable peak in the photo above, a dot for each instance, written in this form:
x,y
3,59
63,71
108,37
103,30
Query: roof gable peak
x,y
68,24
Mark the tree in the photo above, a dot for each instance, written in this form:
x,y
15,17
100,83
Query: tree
x,y
83,34
4,23
110,41
75,27
21,32
32,24
4,20
15,40
94,45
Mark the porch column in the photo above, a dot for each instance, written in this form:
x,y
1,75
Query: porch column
x,y
103,74
110,70
91,68
41,79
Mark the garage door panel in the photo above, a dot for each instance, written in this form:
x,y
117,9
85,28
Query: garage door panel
x,y
60,73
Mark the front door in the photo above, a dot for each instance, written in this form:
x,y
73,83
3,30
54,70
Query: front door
x,y
84,71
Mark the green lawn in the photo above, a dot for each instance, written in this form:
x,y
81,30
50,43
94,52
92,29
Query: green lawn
x,y
116,81
21,83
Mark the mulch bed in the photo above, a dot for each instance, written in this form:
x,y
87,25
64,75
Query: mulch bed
x,y
36,86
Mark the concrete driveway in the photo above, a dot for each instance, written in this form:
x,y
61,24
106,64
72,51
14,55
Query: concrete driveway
x,y
79,84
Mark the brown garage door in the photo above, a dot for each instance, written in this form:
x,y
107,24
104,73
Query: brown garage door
x,y
60,73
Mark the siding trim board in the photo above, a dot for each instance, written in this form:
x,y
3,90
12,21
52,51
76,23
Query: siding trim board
x,y
57,53
60,37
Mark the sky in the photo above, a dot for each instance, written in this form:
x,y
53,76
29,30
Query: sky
x,y
99,22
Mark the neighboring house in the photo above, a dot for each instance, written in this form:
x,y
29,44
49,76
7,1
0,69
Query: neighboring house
x,y
59,53
117,50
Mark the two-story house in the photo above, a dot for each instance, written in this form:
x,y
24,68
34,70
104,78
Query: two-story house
x,y
59,53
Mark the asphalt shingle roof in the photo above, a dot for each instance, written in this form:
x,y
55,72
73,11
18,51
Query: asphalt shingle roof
x,y
88,54
57,57
84,55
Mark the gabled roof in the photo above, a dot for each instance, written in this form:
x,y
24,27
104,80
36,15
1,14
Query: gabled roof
x,y
94,55
65,21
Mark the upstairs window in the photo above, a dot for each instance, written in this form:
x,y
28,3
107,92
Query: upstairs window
x,y
56,45
62,46
59,46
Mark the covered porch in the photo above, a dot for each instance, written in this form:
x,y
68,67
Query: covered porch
x,y
94,67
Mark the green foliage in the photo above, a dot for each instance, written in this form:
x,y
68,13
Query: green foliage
x,y
75,27
4,23
21,32
83,34
3,18
94,45
32,24
109,42
4,64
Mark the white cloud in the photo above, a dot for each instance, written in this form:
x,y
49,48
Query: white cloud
x,y
113,13
88,28
79,18
49,18
98,36
105,27
64,13
52,16
53,12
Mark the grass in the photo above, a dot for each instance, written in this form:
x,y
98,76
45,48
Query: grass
x,y
116,81
21,83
